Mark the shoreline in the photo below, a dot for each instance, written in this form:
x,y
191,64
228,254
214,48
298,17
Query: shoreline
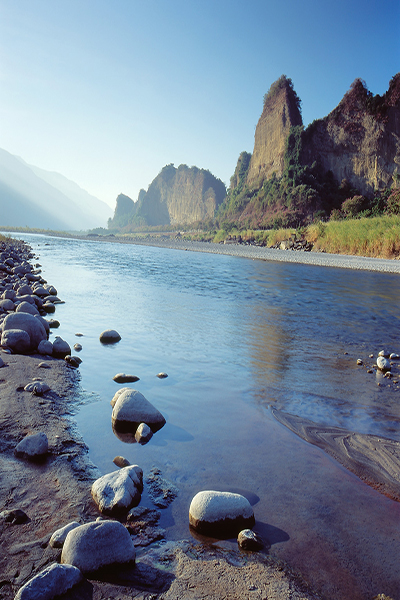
x,y
318,259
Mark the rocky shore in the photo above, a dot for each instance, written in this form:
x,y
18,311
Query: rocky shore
x,y
45,489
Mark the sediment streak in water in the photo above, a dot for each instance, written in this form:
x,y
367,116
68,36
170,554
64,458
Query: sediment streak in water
x,y
374,459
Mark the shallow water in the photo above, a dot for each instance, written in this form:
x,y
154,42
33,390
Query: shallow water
x,y
236,337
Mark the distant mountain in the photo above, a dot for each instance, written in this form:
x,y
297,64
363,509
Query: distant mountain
x,y
32,197
177,196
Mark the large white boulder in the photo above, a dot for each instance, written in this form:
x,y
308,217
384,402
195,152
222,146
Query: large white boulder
x,y
29,323
117,492
52,581
220,514
96,545
132,408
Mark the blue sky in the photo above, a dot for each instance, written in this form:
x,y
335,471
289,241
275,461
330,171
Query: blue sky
x,y
108,92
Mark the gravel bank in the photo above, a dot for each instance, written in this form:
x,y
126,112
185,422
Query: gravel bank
x,y
319,259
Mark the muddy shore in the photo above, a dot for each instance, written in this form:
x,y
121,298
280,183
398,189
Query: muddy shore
x,y
56,491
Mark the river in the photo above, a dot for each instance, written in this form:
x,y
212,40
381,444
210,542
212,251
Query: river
x,y
238,337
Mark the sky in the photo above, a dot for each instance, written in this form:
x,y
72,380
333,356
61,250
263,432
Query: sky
x,y
107,92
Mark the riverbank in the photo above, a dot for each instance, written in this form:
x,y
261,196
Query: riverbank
x,y
320,259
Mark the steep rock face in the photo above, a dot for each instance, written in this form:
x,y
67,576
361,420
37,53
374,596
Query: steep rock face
x,y
281,111
360,139
181,196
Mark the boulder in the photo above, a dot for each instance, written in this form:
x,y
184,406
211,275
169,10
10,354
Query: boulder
x,y
220,514
132,408
52,581
109,336
45,347
383,364
143,434
9,295
7,304
53,323
124,378
58,538
33,447
27,307
49,307
29,323
117,492
24,290
17,340
40,291
45,324
96,545
60,347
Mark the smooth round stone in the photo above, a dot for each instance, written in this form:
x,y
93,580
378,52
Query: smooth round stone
x,y
96,545
17,340
162,375
132,408
77,347
109,336
383,364
143,434
27,307
220,514
58,538
60,348
45,348
124,378
121,462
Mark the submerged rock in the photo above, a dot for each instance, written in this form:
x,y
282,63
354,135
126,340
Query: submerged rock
x,y
220,514
96,545
161,491
124,378
109,336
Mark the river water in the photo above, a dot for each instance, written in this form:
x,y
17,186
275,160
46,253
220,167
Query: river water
x,y
237,337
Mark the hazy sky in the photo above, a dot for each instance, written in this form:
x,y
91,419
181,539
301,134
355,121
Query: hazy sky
x,y
107,92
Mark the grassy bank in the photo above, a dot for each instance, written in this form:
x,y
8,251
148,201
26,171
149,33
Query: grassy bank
x,y
377,237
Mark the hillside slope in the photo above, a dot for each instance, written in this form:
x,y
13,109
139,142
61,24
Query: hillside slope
x,y
28,200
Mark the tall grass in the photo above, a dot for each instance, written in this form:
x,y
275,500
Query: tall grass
x,y
373,236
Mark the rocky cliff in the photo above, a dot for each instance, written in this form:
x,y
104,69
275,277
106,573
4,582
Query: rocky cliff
x,y
177,196
360,139
296,175
281,111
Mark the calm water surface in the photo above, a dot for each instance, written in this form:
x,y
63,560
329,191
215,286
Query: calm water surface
x,y
236,337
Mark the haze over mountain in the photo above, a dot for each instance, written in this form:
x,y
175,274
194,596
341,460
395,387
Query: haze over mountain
x,y
32,197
